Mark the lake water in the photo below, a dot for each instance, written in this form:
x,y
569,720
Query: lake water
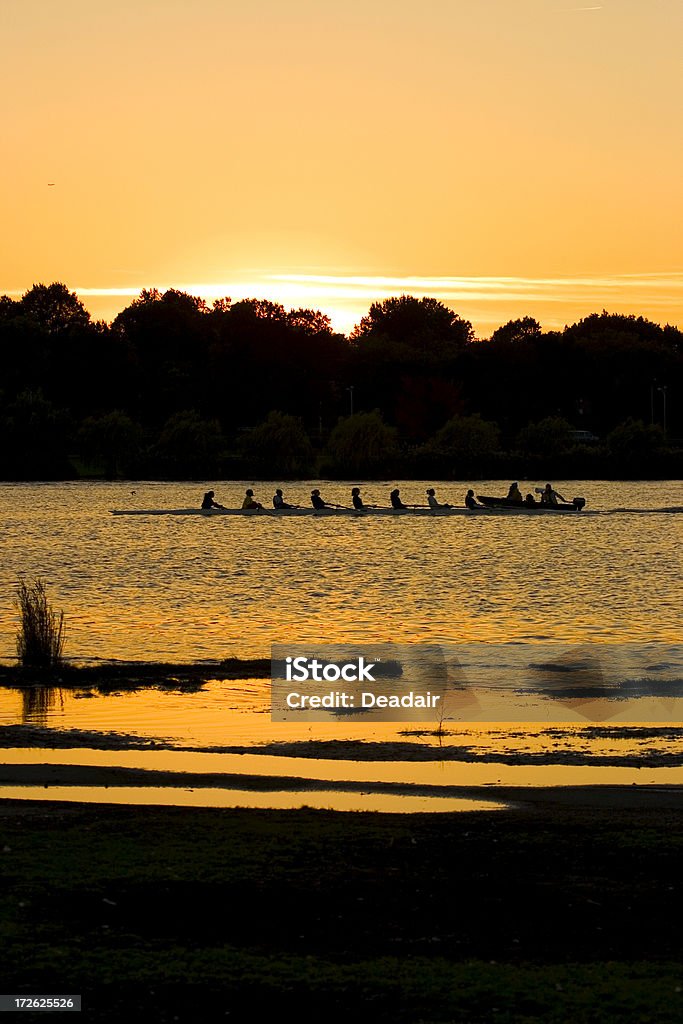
x,y
193,588
190,588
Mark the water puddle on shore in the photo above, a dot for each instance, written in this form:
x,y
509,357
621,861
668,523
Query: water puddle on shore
x,y
320,800
218,747
223,768
255,780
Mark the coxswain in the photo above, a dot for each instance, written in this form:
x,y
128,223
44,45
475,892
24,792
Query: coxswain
x,y
470,500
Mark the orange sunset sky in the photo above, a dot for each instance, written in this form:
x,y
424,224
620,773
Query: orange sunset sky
x,y
509,157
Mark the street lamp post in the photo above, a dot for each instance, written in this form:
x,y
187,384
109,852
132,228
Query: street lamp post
x,y
663,391
350,391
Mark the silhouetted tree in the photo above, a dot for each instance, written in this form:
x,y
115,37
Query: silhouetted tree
x,y
633,440
422,403
466,437
515,331
33,439
361,443
113,439
267,358
9,308
404,339
39,336
614,360
423,324
280,446
169,335
310,321
550,436
53,307
190,446
414,360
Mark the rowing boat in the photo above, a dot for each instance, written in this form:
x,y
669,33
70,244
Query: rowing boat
x,y
288,513
575,505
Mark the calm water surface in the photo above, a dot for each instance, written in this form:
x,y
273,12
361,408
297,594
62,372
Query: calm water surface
x,y
190,588
193,588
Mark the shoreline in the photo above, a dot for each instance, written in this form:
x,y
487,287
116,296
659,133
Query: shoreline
x,y
369,751
645,797
113,675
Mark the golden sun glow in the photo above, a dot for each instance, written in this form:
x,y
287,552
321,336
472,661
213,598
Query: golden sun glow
x,y
510,158
486,301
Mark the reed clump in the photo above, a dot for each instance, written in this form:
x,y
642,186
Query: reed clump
x,y
40,638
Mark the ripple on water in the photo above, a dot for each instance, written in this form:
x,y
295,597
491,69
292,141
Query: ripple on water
x,y
166,589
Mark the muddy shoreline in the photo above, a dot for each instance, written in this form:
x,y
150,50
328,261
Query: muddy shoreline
x,y
632,797
35,737
107,676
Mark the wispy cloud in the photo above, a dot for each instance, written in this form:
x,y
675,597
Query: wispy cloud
x,y
654,290
487,301
488,285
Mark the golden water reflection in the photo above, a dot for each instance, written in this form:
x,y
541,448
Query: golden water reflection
x,y
186,588
433,773
460,763
383,802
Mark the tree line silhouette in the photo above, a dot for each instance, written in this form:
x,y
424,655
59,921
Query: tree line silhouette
x,y
176,388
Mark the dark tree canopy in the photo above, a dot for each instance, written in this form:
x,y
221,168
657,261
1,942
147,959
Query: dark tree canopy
x,y
426,325
175,386
515,331
53,307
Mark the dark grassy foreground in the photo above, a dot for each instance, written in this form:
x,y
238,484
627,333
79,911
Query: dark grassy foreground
x,y
202,915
